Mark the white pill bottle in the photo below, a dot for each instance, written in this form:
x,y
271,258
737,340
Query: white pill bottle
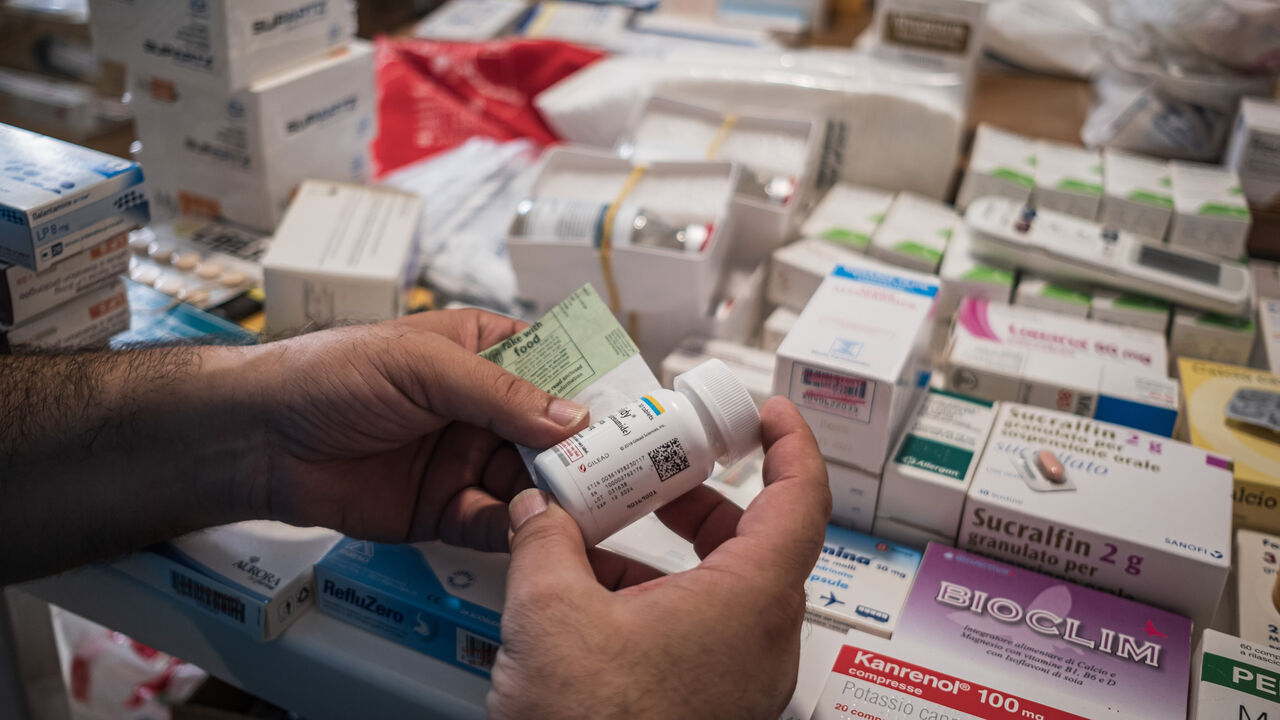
x,y
652,451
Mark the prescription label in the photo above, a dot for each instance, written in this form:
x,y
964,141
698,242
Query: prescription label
x,y
866,684
831,392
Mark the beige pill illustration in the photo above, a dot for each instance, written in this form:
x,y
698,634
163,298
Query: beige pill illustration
x,y
1051,467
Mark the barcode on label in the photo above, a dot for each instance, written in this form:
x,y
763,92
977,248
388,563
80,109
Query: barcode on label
x,y
220,603
669,459
475,651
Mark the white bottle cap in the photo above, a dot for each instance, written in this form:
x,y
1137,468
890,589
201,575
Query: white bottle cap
x,y
728,404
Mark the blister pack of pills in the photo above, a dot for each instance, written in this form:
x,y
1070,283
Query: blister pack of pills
x,y
1042,471
198,261
1259,408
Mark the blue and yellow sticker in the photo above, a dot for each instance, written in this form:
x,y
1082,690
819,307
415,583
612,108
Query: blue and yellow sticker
x,y
654,405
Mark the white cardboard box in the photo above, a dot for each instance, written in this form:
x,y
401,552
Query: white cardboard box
x,y
1112,373
942,36
1234,679
927,477
1257,560
1207,336
343,253
906,534
960,276
85,321
754,367
1068,179
848,215
915,233
1210,214
853,375
1040,294
651,280
255,576
241,156
1001,163
776,327
56,199
797,270
218,45
859,582
1137,195
1269,332
854,494
1254,151
1138,311
25,293
1137,514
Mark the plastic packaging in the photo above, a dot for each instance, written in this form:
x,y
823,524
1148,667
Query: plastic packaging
x,y
652,451
586,222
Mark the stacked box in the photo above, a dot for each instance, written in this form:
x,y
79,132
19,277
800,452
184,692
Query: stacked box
x,y
1041,294
848,215
1234,679
1068,179
1210,214
915,233
1137,198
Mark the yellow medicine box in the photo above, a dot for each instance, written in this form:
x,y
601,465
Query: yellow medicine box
x,y
1206,389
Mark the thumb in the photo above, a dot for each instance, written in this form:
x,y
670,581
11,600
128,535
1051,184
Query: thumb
x,y
461,385
548,555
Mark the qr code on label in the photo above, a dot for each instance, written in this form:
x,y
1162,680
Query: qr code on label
x,y
669,459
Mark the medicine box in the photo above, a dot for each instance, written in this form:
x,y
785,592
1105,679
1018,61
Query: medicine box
x,y
83,322
1210,214
240,156
853,375
1257,559
927,477
848,215
859,582
939,36
344,253
854,494
960,276
1254,151
907,534
1137,196
255,576
915,233
1234,679
652,280
1075,649
752,366
1269,332
1207,387
1209,336
1068,179
57,199
1128,512
1139,311
797,270
438,599
1064,299
218,45
25,293
776,327
1112,373
1001,164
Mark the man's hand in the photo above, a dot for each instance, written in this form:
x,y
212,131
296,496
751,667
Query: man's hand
x,y
588,634
399,432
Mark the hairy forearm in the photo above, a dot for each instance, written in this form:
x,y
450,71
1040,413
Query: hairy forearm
x,y
103,453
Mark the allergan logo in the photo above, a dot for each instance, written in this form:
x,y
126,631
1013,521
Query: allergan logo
x,y
329,112
258,575
290,18
1046,622
179,55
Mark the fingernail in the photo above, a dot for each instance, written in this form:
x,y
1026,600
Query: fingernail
x,y
565,413
525,505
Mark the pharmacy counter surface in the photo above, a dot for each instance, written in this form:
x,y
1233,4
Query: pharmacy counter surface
x,y
320,668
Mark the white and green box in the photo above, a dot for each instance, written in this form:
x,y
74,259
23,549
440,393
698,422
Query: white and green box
x,y
1001,164
848,215
1210,214
1130,310
1068,179
1254,152
1209,336
915,233
1137,194
1234,680
1257,560
1041,294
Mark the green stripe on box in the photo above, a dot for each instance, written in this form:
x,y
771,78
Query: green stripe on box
x,y
847,237
1235,212
988,275
1141,302
946,460
1147,197
1225,321
1080,186
915,249
1067,295
1014,176
1222,671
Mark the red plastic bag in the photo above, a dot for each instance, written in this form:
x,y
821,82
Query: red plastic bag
x,y
434,95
